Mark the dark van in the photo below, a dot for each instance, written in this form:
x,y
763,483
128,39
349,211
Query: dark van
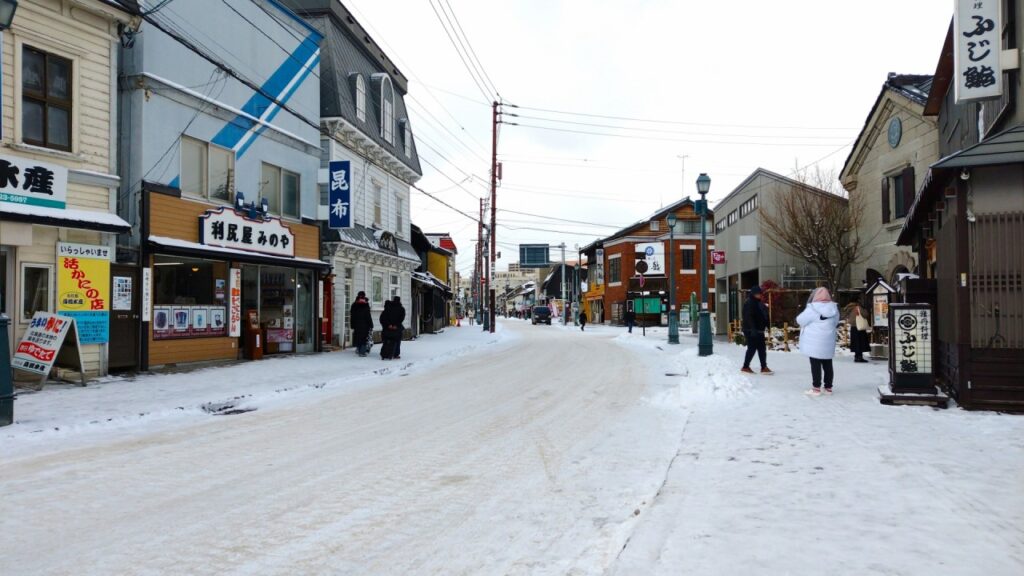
x,y
541,315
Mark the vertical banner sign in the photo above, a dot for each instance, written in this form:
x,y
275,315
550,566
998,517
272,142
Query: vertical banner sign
x,y
83,289
320,298
599,267
339,194
910,348
235,304
146,294
978,37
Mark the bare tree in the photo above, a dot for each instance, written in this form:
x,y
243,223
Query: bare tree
x,y
817,222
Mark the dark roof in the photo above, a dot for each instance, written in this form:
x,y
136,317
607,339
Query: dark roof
x,y
348,50
915,87
660,214
943,76
363,237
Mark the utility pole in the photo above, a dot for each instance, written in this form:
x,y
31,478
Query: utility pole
x,y
564,313
477,281
494,202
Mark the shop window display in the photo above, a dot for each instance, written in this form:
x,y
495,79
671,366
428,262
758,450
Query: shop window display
x,y
190,297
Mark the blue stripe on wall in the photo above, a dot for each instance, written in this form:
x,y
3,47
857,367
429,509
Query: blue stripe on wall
x,y
175,183
282,98
233,131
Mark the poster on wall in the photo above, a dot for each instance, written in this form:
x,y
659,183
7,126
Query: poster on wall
x,y
200,314
83,289
218,324
121,298
161,322
180,317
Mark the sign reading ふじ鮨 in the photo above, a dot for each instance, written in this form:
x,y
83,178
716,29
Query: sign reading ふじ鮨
x,y
34,183
978,35
83,289
229,228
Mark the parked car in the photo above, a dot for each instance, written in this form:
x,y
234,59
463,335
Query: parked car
x,y
541,315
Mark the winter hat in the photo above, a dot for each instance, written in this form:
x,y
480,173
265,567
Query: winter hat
x,y
361,294
821,295
755,291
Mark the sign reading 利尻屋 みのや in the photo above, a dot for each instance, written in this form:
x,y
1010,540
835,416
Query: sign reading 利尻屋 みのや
x,y
83,289
33,183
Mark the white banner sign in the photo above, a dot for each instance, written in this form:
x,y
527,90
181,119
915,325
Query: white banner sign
x,y
650,259
912,340
38,348
26,181
147,295
69,250
229,229
978,37
235,304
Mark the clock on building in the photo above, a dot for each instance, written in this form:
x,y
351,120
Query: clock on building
x,y
895,131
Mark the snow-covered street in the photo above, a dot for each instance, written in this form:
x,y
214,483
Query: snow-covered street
x,y
539,450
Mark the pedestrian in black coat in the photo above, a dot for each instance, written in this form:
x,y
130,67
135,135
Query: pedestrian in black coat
x,y
755,322
630,319
362,323
583,321
399,318
860,342
389,331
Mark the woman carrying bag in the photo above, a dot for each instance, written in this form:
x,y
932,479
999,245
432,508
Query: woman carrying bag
x,y
818,323
859,328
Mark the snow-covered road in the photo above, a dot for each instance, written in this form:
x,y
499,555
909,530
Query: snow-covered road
x,y
521,460
540,450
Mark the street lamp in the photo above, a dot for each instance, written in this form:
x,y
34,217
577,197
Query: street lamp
x,y
673,319
7,9
704,345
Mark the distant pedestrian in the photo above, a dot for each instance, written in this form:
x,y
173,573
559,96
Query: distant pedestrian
x,y
583,321
818,323
399,318
362,324
755,322
388,330
859,340
630,319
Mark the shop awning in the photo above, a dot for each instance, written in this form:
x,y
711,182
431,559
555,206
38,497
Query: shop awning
x,y
186,248
430,280
368,238
63,218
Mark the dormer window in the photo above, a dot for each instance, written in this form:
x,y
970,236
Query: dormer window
x,y
406,134
360,98
387,111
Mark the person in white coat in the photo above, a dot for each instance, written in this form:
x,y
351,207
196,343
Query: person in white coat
x,y
818,324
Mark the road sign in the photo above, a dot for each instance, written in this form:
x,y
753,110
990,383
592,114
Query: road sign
x,y
534,256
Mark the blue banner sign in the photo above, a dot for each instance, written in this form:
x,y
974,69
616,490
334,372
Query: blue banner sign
x,y
339,194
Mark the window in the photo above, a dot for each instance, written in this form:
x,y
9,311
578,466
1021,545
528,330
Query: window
x,y
732,218
189,281
688,259
46,99
325,152
378,193
407,138
324,195
360,98
377,289
720,225
691,226
399,223
395,286
281,189
207,170
899,206
614,270
655,225
36,287
387,110
748,206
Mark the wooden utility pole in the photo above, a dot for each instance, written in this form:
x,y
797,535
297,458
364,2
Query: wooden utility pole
x,y
494,195
478,277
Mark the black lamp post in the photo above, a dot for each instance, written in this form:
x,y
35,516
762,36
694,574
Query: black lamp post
x,y
704,345
673,318
7,9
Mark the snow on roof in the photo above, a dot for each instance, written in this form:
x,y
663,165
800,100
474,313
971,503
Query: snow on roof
x,y
68,217
176,243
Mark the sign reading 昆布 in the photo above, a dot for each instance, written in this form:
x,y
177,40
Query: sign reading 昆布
x,y
978,36
339,194
83,289
34,183
229,228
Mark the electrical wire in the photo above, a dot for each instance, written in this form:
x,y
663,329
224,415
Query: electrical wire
x,y
461,57
472,51
654,138
681,132
560,219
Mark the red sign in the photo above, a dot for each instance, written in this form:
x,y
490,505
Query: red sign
x,y
718,256
36,352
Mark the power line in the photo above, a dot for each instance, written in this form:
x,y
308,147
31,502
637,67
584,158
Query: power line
x,y
465,45
446,129
616,226
682,132
486,76
654,138
457,51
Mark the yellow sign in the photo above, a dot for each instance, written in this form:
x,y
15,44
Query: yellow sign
x,y
83,289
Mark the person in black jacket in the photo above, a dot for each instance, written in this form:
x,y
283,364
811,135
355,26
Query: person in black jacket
x,y
362,323
387,331
399,318
755,322
630,319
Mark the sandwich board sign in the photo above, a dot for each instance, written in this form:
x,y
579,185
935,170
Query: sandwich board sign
x,y
51,340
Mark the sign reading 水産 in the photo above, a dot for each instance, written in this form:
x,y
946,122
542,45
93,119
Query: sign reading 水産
x,y
33,183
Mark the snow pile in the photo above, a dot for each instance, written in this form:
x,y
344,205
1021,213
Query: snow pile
x,y
713,377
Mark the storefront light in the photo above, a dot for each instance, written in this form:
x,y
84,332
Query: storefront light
x,y
7,9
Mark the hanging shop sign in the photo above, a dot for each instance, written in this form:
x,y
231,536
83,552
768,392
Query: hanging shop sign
x,y
26,181
650,259
339,194
718,256
83,289
235,303
978,36
386,241
910,347
229,228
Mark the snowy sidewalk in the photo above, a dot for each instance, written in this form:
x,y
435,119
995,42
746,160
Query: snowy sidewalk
x,y
770,481
62,414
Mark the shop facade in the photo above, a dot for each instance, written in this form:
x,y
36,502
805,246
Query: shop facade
x,y
229,276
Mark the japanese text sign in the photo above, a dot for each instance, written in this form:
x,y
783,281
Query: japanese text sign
x,y
235,303
650,259
339,194
911,339
83,289
978,35
26,181
228,228
718,256
38,349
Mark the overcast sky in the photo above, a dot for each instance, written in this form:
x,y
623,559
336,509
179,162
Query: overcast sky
x,y
731,85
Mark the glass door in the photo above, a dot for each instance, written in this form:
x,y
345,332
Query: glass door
x,y
304,322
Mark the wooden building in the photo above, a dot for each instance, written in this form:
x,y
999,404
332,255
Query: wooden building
x,y
967,226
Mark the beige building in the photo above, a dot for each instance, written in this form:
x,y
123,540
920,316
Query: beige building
x,y
885,167
58,183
